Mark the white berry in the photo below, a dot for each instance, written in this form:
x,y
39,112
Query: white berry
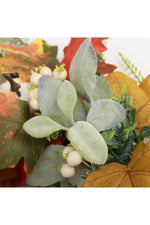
x,y
34,103
33,93
66,151
74,158
60,72
46,71
34,79
67,170
61,76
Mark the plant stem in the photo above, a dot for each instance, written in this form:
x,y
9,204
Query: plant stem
x,y
85,163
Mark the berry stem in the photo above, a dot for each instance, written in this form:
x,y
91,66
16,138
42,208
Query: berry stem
x,y
85,163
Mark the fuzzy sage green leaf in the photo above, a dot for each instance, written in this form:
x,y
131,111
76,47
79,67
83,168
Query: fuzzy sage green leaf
x,y
47,170
47,94
79,111
66,99
83,69
88,142
105,114
102,89
41,126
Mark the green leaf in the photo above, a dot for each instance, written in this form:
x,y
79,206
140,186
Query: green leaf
x,y
79,112
41,126
102,89
105,114
107,135
66,98
145,132
88,142
83,69
47,94
14,141
55,135
66,183
20,42
132,126
47,170
124,135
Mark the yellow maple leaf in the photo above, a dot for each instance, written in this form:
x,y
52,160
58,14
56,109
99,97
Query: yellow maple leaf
x,y
141,100
135,174
23,60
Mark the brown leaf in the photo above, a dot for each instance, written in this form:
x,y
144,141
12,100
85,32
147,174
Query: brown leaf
x,y
105,68
135,174
141,101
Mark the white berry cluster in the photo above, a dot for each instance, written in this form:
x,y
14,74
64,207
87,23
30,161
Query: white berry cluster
x,y
73,158
59,72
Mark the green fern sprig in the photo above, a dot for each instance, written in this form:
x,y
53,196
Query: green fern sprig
x,y
133,69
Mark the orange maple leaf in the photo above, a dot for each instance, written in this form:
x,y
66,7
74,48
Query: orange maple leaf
x,y
145,85
141,101
23,60
135,174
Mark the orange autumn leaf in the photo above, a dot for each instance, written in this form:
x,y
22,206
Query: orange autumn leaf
x,y
141,101
135,174
23,60
14,141
145,85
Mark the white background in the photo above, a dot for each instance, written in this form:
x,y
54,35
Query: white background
x,y
79,18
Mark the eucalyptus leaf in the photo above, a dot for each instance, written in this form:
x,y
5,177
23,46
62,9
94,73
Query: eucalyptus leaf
x,y
102,89
88,142
47,94
47,170
41,126
66,99
83,69
105,114
79,112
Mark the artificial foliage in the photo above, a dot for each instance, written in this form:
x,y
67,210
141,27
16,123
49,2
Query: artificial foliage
x,y
102,113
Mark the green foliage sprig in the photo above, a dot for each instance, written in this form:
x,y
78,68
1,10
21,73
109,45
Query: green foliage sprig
x,y
133,69
122,139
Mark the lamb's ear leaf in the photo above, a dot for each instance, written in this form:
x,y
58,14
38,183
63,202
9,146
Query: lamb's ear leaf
x,y
47,172
88,142
105,114
87,106
79,112
41,126
83,69
47,95
102,89
66,98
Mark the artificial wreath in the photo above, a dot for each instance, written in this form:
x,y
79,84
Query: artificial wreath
x,y
78,118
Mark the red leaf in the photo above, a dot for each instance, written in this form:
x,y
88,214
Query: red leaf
x,y
105,68
70,51
98,46
13,177
72,48
56,142
20,170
